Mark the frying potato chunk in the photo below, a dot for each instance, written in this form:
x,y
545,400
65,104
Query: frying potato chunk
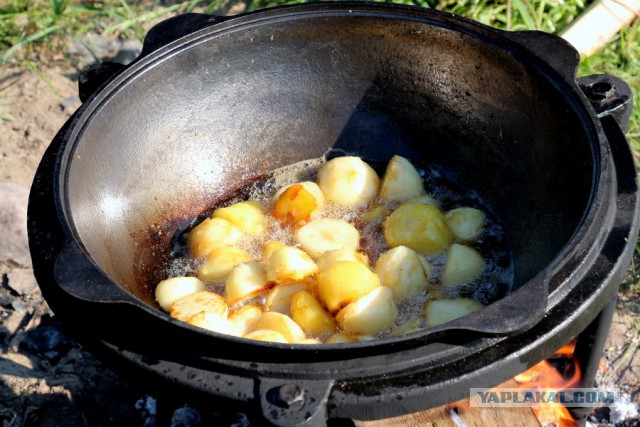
x,y
289,264
298,202
342,338
335,255
463,265
213,233
344,282
307,312
401,181
325,234
374,312
466,223
279,297
220,261
246,215
266,335
282,324
215,323
269,247
377,214
245,280
244,318
192,304
170,290
412,325
348,181
447,309
419,226
401,270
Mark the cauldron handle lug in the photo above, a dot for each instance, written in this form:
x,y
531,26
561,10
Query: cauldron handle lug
x,y
78,276
294,402
609,96
554,50
177,27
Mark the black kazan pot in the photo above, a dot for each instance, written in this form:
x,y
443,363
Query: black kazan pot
x,y
215,103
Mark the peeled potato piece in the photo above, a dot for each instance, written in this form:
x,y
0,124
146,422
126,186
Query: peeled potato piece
x,y
341,338
424,198
220,261
374,312
466,223
298,202
445,310
192,304
215,323
280,323
412,325
246,215
289,264
170,290
245,280
401,269
213,233
419,226
377,214
325,234
279,297
244,318
307,312
335,255
348,181
463,265
266,335
401,181
269,247
344,282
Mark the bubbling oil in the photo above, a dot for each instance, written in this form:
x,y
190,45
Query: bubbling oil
x,y
492,284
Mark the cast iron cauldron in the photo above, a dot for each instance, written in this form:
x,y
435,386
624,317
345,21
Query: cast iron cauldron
x,y
214,103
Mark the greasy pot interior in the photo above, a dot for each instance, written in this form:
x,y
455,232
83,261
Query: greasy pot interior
x,y
182,128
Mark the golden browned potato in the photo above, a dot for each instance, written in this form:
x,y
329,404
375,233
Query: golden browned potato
x,y
335,255
266,335
325,234
343,282
401,181
463,265
402,270
245,280
170,290
246,215
370,314
215,323
282,324
220,261
307,312
289,264
447,309
245,317
192,304
466,223
419,226
279,297
348,181
269,247
298,203
213,233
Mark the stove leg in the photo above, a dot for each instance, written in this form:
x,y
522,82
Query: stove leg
x,y
588,353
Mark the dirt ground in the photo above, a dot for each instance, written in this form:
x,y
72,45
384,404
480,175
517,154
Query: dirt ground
x,y
47,378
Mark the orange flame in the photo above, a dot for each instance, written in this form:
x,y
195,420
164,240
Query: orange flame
x,y
545,375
